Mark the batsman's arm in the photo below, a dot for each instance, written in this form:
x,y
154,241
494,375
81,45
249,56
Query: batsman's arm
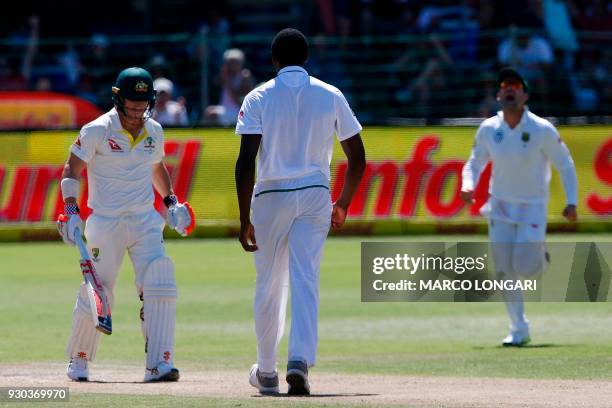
x,y
161,179
245,180
180,216
72,171
355,154
69,223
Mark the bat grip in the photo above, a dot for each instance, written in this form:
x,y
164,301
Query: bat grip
x,y
81,245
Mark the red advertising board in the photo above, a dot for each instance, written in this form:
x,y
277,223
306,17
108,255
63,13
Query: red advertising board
x,y
44,110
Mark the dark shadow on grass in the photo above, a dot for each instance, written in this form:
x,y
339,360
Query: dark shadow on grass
x,y
542,345
527,346
342,394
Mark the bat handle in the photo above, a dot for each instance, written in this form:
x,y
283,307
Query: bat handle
x,y
78,238
81,245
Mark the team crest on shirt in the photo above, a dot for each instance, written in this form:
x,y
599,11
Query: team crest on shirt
x,y
525,138
499,136
114,146
149,145
96,253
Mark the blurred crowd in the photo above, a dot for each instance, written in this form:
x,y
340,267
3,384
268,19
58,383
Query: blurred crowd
x,y
392,57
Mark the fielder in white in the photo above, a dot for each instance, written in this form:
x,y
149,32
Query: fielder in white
x,y
291,120
521,147
123,152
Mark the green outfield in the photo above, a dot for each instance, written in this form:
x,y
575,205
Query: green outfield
x,y
215,330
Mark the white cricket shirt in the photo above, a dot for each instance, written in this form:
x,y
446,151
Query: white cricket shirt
x,y
297,116
119,169
521,158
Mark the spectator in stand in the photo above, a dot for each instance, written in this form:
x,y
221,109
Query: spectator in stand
x,y
15,72
604,66
55,69
425,85
593,92
70,63
43,84
85,89
217,28
489,105
490,18
167,111
384,17
558,16
529,54
159,67
211,37
332,18
593,16
236,81
325,62
97,70
10,78
455,22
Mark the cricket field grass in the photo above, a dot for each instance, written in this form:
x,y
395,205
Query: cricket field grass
x,y
374,354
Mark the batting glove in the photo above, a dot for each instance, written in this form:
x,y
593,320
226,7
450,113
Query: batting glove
x,y
69,222
180,216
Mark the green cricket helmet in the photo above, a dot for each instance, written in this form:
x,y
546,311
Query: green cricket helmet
x,y
134,84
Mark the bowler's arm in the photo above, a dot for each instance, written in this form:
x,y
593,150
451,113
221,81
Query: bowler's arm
x,y
245,180
355,154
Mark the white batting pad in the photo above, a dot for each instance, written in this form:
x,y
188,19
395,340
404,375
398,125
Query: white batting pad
x,y
84,339
159,311
529,259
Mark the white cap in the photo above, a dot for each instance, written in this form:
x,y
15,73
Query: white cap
x,y
163,85
233,54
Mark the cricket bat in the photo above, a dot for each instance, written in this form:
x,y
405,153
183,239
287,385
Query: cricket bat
x,y
98,302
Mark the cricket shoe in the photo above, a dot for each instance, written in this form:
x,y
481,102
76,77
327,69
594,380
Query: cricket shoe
x,y
297,378
516,339
164,372
266,383
77,369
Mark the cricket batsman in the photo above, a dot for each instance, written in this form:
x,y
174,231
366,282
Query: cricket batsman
x,y
123,152
285,217
521,147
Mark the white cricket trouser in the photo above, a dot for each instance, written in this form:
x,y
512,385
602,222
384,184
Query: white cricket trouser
x,y
518,251
290,229
107,240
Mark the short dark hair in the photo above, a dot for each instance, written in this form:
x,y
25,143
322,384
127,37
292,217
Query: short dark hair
x,y
290,47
